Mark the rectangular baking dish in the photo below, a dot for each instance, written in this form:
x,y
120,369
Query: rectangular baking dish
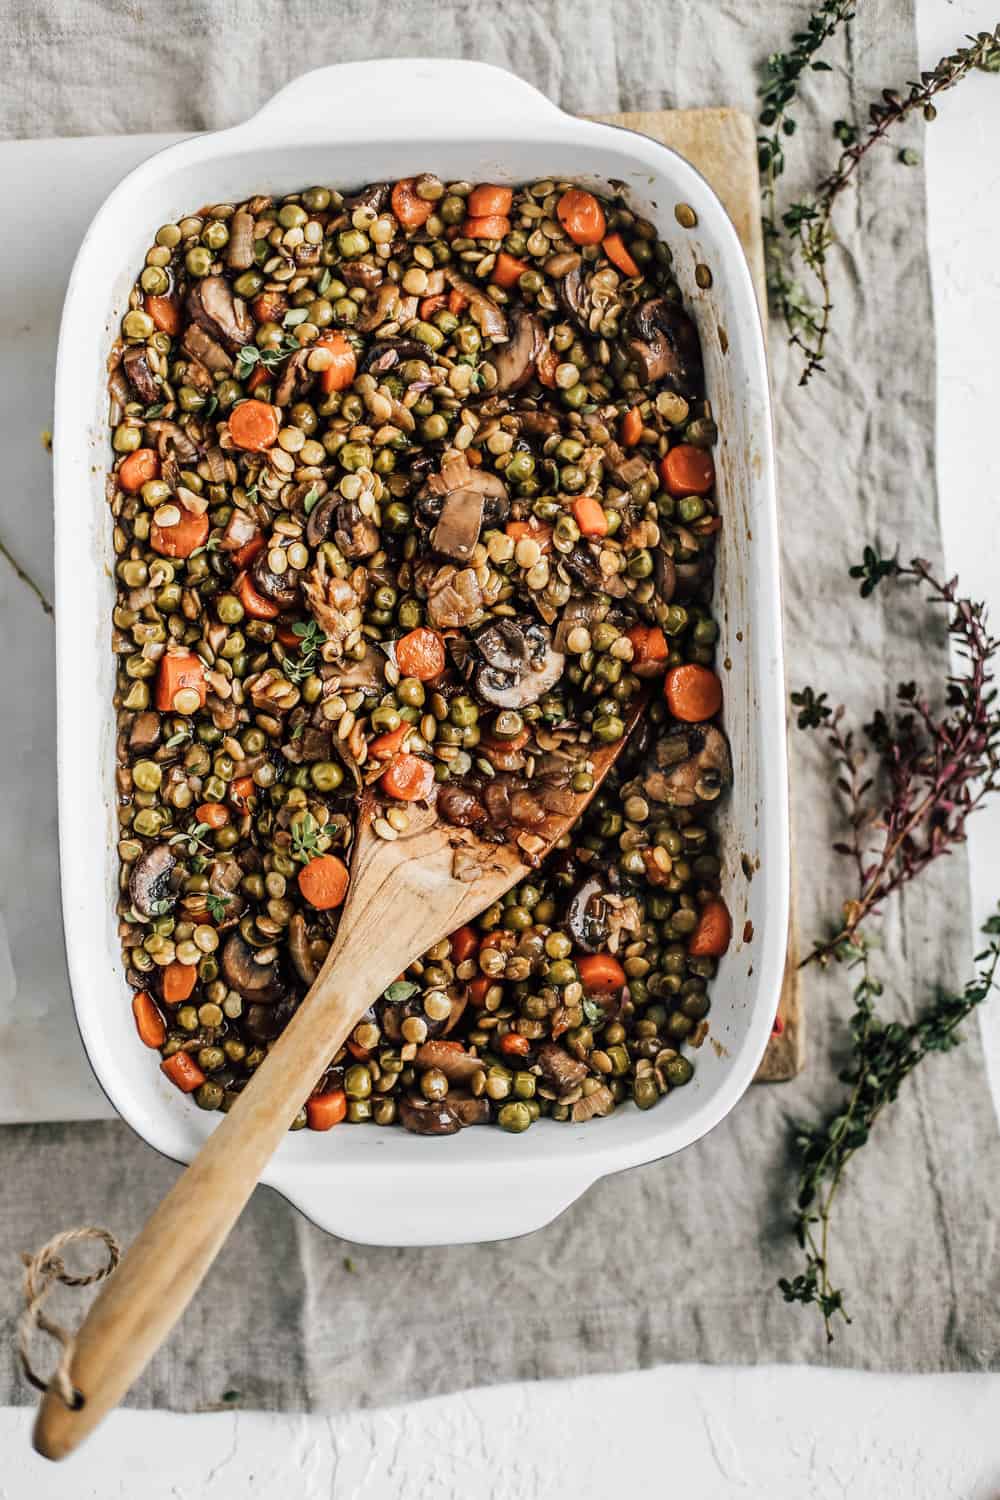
x,y
346,126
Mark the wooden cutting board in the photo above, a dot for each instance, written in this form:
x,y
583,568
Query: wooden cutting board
x,y
722,144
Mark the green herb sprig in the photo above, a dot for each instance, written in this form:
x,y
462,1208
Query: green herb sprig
x,y
311,638
250,356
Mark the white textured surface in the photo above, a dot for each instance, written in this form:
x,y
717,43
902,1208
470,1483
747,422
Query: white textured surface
x,y
709,1434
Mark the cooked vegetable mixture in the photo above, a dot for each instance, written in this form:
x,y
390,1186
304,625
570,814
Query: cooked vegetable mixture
x,y
413,491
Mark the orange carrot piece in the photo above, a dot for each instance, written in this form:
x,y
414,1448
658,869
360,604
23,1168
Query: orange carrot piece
x,y
464,944
241,790
244,556
181,539
183,1071
149,1023
323,882
408,778
179,672
256,606
631,427
693,693
478,989
259,376
515,1045
212,814
421,654
488,199
430,305
137,469
516,742
489,227
323,1111
410,209
383,746
588,514
546,366
269,307
649,650
710,938
340,374
600,973
165,314
179,981
581,216
254,425
614,248
537,533
457,301
508,270
687,471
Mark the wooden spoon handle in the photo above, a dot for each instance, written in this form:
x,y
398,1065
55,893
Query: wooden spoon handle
x,y
164,1267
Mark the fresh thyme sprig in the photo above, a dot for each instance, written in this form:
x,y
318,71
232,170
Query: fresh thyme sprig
x,y
883,1055
305,838
311,638
250,356
933,769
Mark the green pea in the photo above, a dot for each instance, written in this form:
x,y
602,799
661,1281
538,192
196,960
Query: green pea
x,y
317,199
446,321
678,1071
468,338
608,729
514,1116
410,690
190,399
148,822
705,633
227,392
353,242
147,776
573,478
640,564
229,609
138,325
126,438
209,1095
248,284
355,456
357,1082
434,427
691,508
521,467
644,1091
169,235
561,972
385,718
576,396
463,712
452,208
426,333
292,216
326,775
396,516
198,261
215,234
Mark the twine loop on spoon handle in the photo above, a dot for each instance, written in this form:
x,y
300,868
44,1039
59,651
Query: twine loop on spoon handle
x,y
42,1272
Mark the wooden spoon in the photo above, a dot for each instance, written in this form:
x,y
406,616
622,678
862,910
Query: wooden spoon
x,y
405,895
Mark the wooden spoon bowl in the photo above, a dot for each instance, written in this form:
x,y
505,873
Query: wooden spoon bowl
x,y
405,895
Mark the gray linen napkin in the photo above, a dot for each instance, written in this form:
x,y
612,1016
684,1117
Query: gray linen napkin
x,y
678,1260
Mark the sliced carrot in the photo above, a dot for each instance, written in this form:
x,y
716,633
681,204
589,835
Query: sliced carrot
x,y
649,650
477,990
546,366
693,693
323,1111
178,982
710,938
474,457
600,973
244,556
430,305
410,209
514,1045
457,301
516,742
383,746
182,1070
285,632
507,270
632,427
614,248
408,779
362,1054
687,471
588,513
324,881
255,604
269,307
165,314
421,654
241,790
254,425
498,938
488,199
581,216
519,530
464,944
491,227
177,673
259,375
181,539
212,814
149,1023
340,374
137,469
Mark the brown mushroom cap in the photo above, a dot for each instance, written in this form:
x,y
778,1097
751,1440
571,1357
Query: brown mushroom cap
x,y
459,524
211,304
515,362
518,663
482,309
141,377
281,588
298,950
692,765
149,883
426,1117
666,347
259,983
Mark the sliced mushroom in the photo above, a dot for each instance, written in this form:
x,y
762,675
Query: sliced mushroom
x,y
424,1117
470,1110
295,376
457,474
559,1069
298,950
384,307
369,672
259,983
664,575
208,351
666,347
482,309
385,354
583,566
457,1067
459,524
575,296
211,304
149,883
172,441
141,377
515,362
459,806
315,744
145,732
538,423
239,251
375,196
600,1102
587,612
215,462
692,765
361,273
353,532
519,663
240,529
281,588
454,598
588,912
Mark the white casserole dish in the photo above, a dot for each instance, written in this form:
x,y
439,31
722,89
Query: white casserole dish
x,y
347,126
